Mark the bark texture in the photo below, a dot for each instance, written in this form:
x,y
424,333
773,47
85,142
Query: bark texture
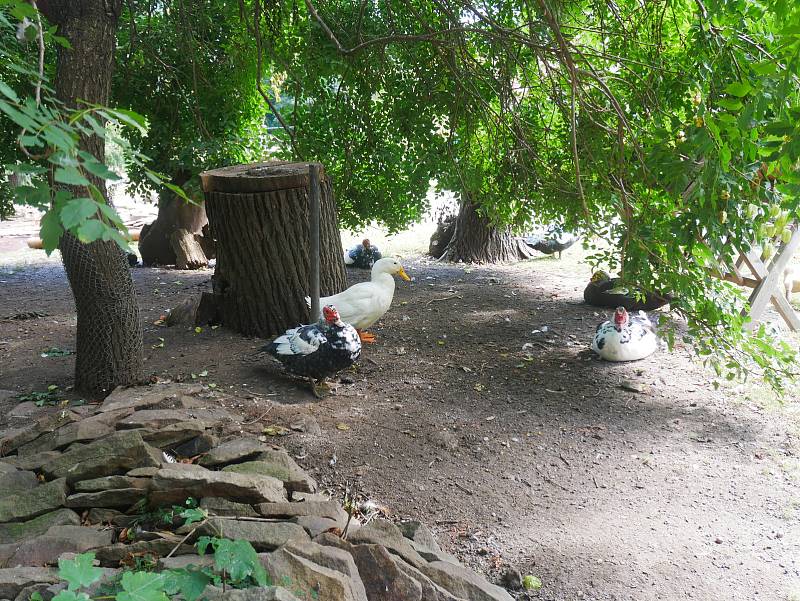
x,y
109,331
263,267
188,252
476,240
157,244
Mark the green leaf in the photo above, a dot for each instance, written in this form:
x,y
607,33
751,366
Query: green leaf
x,y
738,89
531,583
730,104
68,595
17,117
8,92
79,572
50,231
188,582
70,176
91,230
192,515
95,167
76,211
142,586
239,560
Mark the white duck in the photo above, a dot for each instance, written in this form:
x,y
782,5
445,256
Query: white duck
x,y
361,305
626,338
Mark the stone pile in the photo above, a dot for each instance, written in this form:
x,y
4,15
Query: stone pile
x,y
80,480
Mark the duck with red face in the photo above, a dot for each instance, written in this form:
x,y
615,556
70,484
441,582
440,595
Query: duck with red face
x,y
362,255
625,337
318,351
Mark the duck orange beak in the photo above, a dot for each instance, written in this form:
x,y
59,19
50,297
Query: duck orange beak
x,y
402,273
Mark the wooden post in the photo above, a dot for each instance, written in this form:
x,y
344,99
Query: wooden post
x,y
259,215
313,177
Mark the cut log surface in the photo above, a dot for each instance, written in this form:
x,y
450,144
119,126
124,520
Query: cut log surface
x,y
259,217
188,252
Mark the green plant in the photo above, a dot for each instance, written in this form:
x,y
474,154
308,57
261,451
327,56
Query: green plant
x,y
236,560
160,517
52,396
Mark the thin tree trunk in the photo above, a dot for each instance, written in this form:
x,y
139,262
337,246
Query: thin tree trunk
x,y
477,240
109,332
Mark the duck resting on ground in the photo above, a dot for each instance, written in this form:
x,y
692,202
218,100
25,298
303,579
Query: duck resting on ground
x,y
605,291
317,351
550,240
625,337
362,255
361,305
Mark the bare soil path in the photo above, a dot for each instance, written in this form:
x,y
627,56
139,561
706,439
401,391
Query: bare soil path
x,y
536,459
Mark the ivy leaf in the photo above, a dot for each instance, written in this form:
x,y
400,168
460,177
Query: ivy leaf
x,y
79,572
738,89
189,583
142,586
70,176
76,211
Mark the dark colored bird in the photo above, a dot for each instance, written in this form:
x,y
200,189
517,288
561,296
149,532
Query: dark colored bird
x,y
550,240
319,350
133,260
362,255
605,291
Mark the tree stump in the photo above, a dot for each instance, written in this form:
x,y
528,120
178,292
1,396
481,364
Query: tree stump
x,y
259,216
188,252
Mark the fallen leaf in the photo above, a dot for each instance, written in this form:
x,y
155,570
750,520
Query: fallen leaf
x,y
478,387
198,329
203,373
276,430
342,426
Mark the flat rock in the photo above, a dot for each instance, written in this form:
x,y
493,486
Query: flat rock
x,y
331,558
301,574
174,434
115,454
7,467
384,532
430,590
197,445
463,583
178,481
264,536
32,462
155,419
83,430
184,561
142,397
233,451
111,555
424,543
45,423
381,578
29,504
122,498
111,483
264,593
322,509
224,507
17,481
143,472
278,464
11,533
13,580
46,549
102,515
316,525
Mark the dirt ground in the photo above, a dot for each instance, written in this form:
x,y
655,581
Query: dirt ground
x,y
536,459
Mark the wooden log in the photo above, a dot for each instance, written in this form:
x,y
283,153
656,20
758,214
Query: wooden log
x,y
259,216
188,252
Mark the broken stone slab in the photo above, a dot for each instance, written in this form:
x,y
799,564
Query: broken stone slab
x,y
11,533
385,533
7,467
156,419
430,590
316,525
29,504
463,583
173,434
32,462
424,543
197,445
45,423
298,573
233,451
381,577
102,515
264,536
110,483
17,481
84,429
278,464
13,580
46,549
322,509
331,558
115,454
185,561
224,507
142,397
173,484
111,555
264,593
122,498
143,472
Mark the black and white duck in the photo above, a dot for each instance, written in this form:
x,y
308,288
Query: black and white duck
x,y
318,351
625,337
605,291
550,240
362,255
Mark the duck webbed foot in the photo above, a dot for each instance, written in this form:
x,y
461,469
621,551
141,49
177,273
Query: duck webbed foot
x,y
366,336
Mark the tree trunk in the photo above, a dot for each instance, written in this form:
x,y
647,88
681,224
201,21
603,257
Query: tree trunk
x,y
259,216
109,332
188,252
476,240
156,243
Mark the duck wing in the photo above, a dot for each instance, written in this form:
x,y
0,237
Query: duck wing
x,y
297,342
361,304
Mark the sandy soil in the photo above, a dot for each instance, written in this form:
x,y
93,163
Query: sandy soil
x,y
536,459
